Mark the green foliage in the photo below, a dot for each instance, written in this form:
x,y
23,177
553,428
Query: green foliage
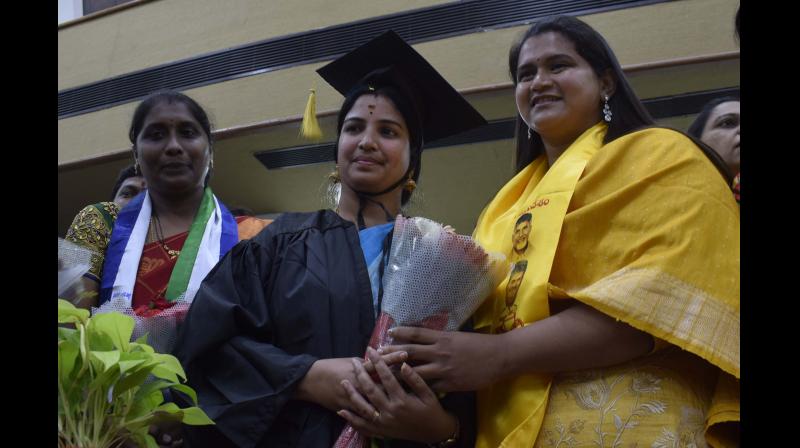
x,y
109,388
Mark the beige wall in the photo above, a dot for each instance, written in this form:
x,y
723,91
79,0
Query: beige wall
x,y
456,182
165,31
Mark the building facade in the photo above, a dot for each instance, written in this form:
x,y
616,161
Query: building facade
x,y
251,63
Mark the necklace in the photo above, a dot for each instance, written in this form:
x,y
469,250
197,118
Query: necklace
x,y
157,234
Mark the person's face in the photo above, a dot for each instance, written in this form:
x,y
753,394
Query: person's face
x,y
374,149
172,149
513,286
721,133
557,93
520,238
128,190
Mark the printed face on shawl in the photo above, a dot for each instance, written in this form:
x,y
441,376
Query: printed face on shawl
x,y
558,93
374,146
721,133
521,232
173,151
129,189
513,286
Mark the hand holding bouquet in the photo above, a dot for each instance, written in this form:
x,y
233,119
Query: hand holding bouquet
x,y
434,278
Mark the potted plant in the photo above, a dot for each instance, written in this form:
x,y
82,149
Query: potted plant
x,y
109,388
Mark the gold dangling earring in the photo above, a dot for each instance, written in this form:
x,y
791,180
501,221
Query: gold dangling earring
x,y
334,176
410,185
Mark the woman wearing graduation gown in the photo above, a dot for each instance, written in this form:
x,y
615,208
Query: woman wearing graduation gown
x,y
619,326
272,337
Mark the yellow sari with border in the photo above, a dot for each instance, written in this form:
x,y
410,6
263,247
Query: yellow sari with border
x,y
650,237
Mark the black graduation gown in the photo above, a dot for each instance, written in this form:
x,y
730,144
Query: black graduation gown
x,y
297,292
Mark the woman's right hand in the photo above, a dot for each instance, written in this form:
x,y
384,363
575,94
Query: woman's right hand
x,y
323,382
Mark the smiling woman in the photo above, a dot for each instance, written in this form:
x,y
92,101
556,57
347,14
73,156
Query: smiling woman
x,y
294,306
620,325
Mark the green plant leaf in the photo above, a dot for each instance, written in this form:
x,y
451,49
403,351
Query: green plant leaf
x,y
133,379
143,439
187,390
117,326
149,387
169,367
145,403
65,333
104,380
169,408
97,340
134,364
67,357
195,416
139,347
150,441
142,339
67,313
105,358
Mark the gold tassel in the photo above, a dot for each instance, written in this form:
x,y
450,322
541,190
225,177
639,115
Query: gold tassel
x,y
309,128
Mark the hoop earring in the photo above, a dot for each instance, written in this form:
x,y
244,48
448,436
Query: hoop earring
x,y
529,132
606,110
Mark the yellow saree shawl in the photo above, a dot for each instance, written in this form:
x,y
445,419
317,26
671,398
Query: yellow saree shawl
x,y
650,236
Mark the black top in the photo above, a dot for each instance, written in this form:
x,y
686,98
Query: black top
x,y
297,292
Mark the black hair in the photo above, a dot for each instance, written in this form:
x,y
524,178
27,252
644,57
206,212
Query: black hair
x,y
127,172
699,123
629,113
169,97
523,218
405,105
241,211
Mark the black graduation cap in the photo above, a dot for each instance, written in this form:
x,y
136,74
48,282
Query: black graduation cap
x,y
389,60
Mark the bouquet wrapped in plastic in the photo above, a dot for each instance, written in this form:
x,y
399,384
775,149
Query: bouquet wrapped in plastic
x,y
160,322
434,278
73,262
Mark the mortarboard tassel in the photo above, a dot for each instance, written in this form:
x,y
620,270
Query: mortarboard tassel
x,y
309,128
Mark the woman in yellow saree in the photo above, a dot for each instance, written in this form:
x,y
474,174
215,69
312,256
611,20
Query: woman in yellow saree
x,y
619,324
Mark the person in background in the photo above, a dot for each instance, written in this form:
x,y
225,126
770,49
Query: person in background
x,y
717,125
128,185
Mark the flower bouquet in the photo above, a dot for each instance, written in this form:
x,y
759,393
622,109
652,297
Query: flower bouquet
x,y
434,278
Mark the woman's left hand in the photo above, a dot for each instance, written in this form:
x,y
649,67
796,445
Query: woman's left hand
x,y
387,410
451,360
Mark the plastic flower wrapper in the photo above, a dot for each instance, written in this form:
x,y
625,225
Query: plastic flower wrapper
x,y
159,321
73,262
434,278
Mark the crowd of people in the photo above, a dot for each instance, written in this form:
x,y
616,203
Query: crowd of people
x,y
617,323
